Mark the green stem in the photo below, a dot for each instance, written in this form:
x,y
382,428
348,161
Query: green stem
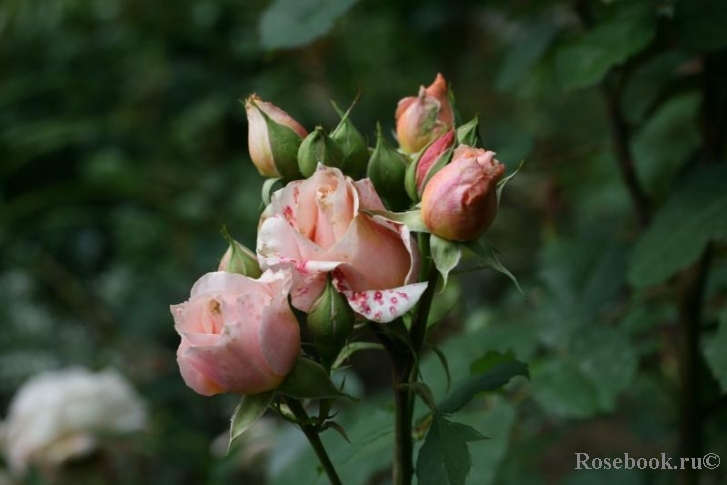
x,y
405,371
311,432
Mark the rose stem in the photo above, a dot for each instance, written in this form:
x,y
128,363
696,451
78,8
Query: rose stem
x,y
311,432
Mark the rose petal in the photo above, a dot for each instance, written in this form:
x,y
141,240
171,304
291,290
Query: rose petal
x,y
279,336
383,306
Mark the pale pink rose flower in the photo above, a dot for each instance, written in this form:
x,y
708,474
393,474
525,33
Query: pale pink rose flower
x,y
238,334
459,202
63,414
258,137
420,119
318,226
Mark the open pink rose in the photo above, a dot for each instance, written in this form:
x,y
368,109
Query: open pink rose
x,y
317,226
238,334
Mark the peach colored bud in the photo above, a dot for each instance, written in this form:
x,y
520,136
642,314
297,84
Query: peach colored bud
x,y
273,138
420,119
238,334
459,202
431,155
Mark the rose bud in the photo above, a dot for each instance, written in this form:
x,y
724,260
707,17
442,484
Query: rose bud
x,y
330,322
459,202
433,158
420,119
238,334
273,139
239,259
386,170
354,147
318,148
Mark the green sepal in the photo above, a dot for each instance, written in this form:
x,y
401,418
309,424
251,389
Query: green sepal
x,y
284,144
487,255
250,409
267,190
411,219
351,348
309,380
501,183
353,144
446,255
468,134
410,182
387,169
318,148
242,260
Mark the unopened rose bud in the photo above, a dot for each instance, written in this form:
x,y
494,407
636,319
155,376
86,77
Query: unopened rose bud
x,y
330,322
354,147
273,139
459,202
420,119
386,170
432,160
239,259
318,148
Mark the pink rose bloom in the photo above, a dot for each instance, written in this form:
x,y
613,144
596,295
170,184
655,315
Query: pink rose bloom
x,y
317,226
238,334
420,119
459,202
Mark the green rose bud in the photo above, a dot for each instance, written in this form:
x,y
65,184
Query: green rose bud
x,y
353,145
330,322
318,148
387,169
239,259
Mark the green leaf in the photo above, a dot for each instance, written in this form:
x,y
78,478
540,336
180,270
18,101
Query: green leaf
x,y
488,256
694,215
702,23
309,380
715,355
524,55
444,458
250,409
445,364
599,365
489,360
411,219
585,61
446,255
647,83
295,23
494,378
667,140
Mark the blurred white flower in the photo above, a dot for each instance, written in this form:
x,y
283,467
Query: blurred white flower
x,y
59,415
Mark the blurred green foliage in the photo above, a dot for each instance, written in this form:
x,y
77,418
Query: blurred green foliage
x,y
123,152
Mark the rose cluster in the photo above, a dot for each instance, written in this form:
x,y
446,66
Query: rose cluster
x,y
329,242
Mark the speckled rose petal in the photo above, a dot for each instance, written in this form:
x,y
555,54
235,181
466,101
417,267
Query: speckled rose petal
x,y
381,306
